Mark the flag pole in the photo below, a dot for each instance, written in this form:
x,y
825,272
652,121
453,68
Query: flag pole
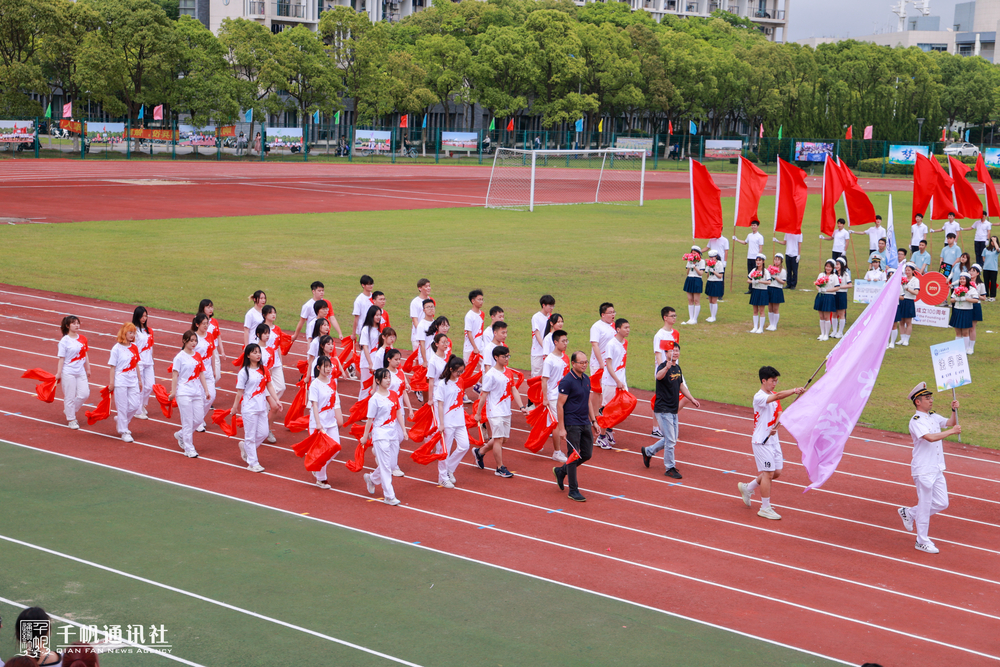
x,y
813,376
954,398
736,214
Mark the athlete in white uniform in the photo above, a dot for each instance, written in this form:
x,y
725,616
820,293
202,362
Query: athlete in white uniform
x,y
383,428
144,341
189,389
538,322
253,316
73,369
613,379
555,366
324,410
417,309
124,381
450,418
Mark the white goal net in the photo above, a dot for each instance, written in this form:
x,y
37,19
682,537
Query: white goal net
x,y
525,179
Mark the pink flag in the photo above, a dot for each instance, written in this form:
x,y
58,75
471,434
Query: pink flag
x,y
762,130
68,110
158,112
868,132
822,419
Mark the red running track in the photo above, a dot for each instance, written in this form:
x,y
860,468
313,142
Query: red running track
x,y
837,576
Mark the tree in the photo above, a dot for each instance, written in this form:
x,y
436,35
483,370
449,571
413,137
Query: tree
x,y
612,74
559,64
309,76
447,61
358,51
968,91
60,50
250,51
502,69
23,27
202,84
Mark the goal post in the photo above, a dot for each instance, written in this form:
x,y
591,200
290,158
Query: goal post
x,y
524,179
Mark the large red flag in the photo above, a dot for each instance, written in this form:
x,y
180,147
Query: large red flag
x,y
983,176
750,182
404,121
790,201
943,203
833,188
850,132
706,203
859,207
923,185
967,201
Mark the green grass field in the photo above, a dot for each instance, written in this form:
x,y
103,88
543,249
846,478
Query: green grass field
x,y
583,255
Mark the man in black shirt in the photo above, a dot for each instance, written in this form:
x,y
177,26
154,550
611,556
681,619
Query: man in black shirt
x,y
577,423
669,388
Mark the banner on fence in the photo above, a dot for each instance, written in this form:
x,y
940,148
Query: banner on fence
x,y
903,154
812,151
16,131
71,125
148,133
105,133
278,137
371,140
638,143
190,135
723,148
226,131
866,291
460,141
991,156
931,316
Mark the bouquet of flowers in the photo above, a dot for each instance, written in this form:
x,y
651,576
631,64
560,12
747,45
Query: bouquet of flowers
x,y
711,261
757,274
821,281
774,270
691,257
960,291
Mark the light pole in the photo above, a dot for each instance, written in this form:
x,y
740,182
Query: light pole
x,y
920,129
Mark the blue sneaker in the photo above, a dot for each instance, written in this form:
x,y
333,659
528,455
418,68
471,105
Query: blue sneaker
x,y
479,458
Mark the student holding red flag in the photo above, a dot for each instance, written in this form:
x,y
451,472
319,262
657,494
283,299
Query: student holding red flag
x,y
497,391
324,409
554,368
417,309
254,394
385,423
207,352
601,332
189,389
474,319
73,368
577,424
207,308
547,304
451,420
124,381
614,378
277,345
144,341
367,342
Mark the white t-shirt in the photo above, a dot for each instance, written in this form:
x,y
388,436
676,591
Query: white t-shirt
x,y
422,335
661,336
272,347
781,276
538,322
250,322
361,305
206,350
832,283
447,392
69,350
874,234
125,359
840,239
951,228
367,336
792,242
251,383
474,325
764,418
600,332
553,369
500,392
928,457
917,234
720,245
435,366
327,401
982,228
488,359
378,359
308,313
144,341
187,381
417,311
380,415
487,338
618,355
694,267
755,241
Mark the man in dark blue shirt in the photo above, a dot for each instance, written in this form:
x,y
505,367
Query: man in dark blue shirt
x,y
577,423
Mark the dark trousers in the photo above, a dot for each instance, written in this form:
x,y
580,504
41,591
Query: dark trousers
x,y
980,247
581,438
751,265
792,264
990,277
836,255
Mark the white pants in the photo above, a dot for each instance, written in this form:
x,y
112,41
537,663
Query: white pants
x,y
458,435
335,436
211,398
536,365
386,457
278,380
146,373
254,431
932,497
216,368
126,405
191,409
76,390
364,375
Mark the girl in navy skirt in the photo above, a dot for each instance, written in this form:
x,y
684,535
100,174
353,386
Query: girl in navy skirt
x,y
776,290
844,275
692,284
715,286
759,280
906,310
976,284
826,303
963,296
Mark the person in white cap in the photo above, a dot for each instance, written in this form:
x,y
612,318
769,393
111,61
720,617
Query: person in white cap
x,y
927,465
963,296
875,273
776,290
693,284
840,319
907,310
715,286
759,280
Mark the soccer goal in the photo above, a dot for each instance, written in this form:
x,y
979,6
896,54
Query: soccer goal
x,y
523,179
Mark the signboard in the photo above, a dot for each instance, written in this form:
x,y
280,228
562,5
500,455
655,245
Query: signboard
x,y
638,143
991,156
951,366
812,151
279,137
931,316
226,131
370,140
189,135
902,154
71,125
147,133
105,133
719,148
17,131
460,141
865,291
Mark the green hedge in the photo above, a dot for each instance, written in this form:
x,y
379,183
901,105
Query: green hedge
x,y
874,166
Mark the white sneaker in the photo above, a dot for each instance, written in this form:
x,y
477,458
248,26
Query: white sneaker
x,y
398,473
391,501
446,483
142,414
127,437
270,437
558,456
256,468
892,346
201,428
177,437
451,476
907,520
905,343
683,323
420,396
744,493
191,453
771,328
370,483
768,514
73,424
322,483
711,319
243,452
824,338
759,330
927,548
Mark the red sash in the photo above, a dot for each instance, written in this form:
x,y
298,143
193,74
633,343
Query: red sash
x,y
135,359
262,385
83,349
214,334
149,340
199,367
457,405
624,357
566,362
394,397
333,397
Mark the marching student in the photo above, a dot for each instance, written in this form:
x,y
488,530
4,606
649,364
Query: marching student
x,y
440,352
927,465
875,272
392,361
766,447
754,244
421,337
918,233
614,378
962,297
451,420
263,336
554,323
695,266
496,315
124,381
417,310
386,341
874,233
759,280
982,228
253,316
378,299
663,341
670,387
383,428
254,396
776,291
321,311
990,263
474,320
368,337
207,308
791,243
921,259
362,302
206,351
840,238
144,341
499,337
497,391
272,352
826,303
321,329
715,285
442,325
189,389
906,310
73,368
554,368
844,278
577,423
538,322
324,410
307,313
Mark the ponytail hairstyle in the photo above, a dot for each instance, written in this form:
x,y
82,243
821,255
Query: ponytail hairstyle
x,y
323,340
551,323
436,324
389,355
66,321
256,296
128,326
321,362
437,340
246,357
261,330
320,321
370,317
198,319
137,318
455,363
187,337
205,303
388,331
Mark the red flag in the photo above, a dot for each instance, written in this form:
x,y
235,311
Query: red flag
x,y
983,176
404,121
573,455
410,361
595,381
423,423
706,203
284,340
357,464
923,185
322,450
750,183
163,398
300,424
103,409
510,125
944,137
230,429
535,390
850,132
968,203
833,188
859,207
47,389
542,426
790,200
298,405
346,350
617,409
419,380
358,411
670,127
425,455
943,202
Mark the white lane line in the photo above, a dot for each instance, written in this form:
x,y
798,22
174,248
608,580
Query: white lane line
x,y
381,196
